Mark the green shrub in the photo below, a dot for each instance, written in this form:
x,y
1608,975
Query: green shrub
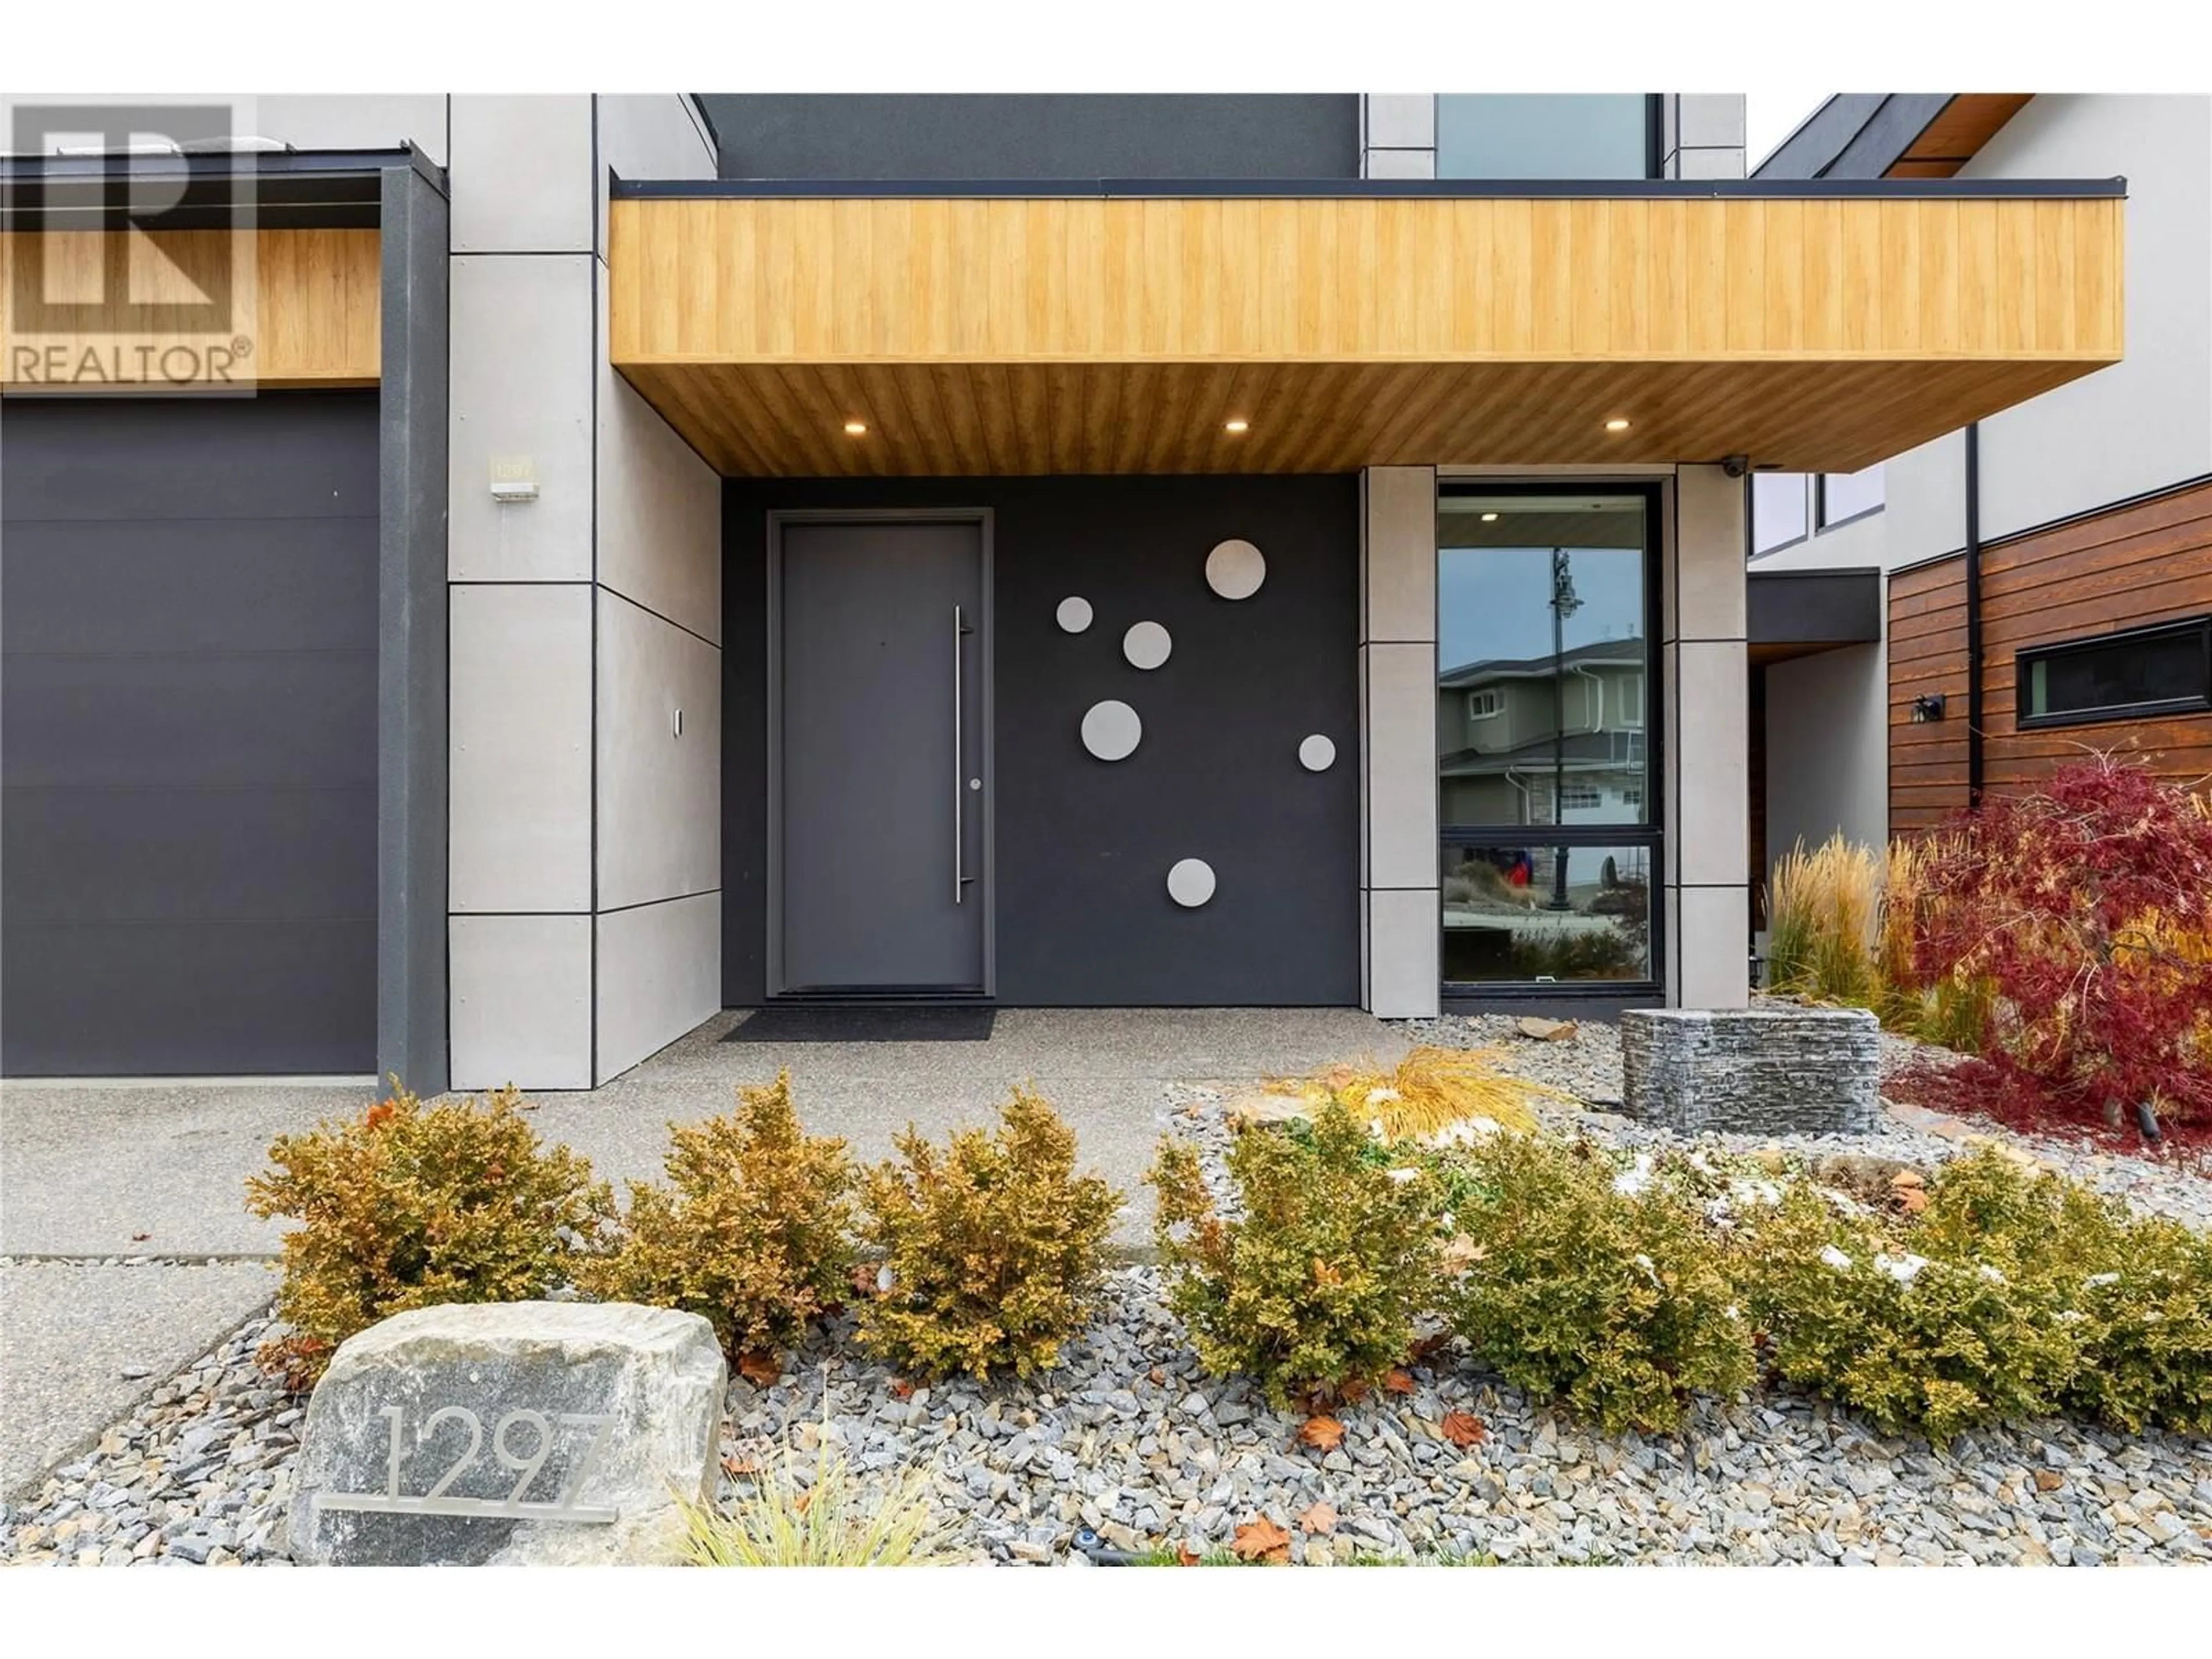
x,y
993,1248
2145,1327
1319,1284
752,1232
1904,1324
2133,1292
1599,1287
409,1205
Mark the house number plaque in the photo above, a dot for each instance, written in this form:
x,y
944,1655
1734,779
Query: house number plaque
x,y
519,1443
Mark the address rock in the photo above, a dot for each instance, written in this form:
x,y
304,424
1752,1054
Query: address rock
x,y
509,1433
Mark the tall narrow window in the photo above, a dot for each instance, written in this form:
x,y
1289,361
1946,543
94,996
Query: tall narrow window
x,y
1549,862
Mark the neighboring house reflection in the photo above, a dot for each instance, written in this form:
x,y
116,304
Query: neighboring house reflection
x,y
1496,720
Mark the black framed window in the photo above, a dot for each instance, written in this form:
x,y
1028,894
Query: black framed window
x,y
1839,498
1547,135
1547,746
2163,670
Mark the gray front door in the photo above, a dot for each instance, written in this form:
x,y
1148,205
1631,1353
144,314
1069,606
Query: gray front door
x,y
882,732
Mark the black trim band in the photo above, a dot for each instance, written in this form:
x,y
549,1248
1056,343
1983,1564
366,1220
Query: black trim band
x,y
1359,189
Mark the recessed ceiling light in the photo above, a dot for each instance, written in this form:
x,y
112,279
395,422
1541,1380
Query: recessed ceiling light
x,y
1240,424
1490,517
1618,423
856,429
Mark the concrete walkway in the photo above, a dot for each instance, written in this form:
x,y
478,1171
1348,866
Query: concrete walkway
x,y
159,1170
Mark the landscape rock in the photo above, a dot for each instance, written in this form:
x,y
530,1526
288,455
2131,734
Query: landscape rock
x,y
419,1436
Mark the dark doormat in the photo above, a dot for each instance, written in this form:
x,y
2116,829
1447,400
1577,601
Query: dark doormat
x,y
911,1023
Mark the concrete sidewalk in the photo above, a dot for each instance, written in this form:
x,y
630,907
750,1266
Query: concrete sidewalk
x,y
159,1170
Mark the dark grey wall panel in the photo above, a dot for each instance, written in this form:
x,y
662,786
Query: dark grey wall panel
x,y
188,730
1036,136
1083,846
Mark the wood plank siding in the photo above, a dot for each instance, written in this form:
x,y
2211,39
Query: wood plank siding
x,y
2149,561
1121,334
310,314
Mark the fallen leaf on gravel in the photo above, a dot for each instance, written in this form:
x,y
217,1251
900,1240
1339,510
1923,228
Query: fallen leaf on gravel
x,y
900,1388
1186,1556
1914,1198
1354,1391
1434,1342
1399,1380
1464,1430
1160,1378
1322,1433
1908,1178
737,1467
1263,1540
2049,1480
1321,1517
760,1368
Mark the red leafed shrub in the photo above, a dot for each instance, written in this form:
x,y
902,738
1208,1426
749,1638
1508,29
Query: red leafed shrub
x,y
2085,908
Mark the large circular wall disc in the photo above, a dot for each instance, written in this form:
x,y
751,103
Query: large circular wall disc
x,y
1073,615
1317,753
1111,729
1146,645
1190,883
1235,569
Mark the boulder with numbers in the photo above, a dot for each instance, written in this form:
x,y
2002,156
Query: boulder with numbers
x,y
507,1433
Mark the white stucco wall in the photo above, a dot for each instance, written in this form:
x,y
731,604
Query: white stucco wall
x,y
2147,421
1827,750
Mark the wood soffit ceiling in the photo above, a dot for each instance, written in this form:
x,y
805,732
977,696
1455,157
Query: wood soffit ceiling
x,y
1019,335
1957,134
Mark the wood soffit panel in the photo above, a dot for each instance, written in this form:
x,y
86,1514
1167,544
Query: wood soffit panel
x,y
1114,335
91,310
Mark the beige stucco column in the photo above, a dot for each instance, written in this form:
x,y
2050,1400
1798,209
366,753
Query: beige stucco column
x,y
1703,666
586,782
1398,892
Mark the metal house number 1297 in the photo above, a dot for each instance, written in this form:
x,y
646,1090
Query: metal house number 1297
x,y
533,1428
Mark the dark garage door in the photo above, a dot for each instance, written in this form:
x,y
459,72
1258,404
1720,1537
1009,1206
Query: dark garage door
x,y
188,638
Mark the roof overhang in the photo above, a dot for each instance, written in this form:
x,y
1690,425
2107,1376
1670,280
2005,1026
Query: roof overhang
x,y
1121,327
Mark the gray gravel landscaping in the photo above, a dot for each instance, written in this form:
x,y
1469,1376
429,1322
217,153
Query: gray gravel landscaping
x,y
1129,1439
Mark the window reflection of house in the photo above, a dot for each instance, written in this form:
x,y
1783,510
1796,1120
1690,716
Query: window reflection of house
x,y
1496,720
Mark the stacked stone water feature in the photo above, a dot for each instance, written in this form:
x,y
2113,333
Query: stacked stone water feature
x,y
1767,1071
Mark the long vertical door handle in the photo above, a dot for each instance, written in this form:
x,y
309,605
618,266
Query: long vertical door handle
x,y
959,807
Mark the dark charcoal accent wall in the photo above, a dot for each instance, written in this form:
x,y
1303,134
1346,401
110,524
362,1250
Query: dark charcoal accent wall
x,y
188,734
1036,136
1082,846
